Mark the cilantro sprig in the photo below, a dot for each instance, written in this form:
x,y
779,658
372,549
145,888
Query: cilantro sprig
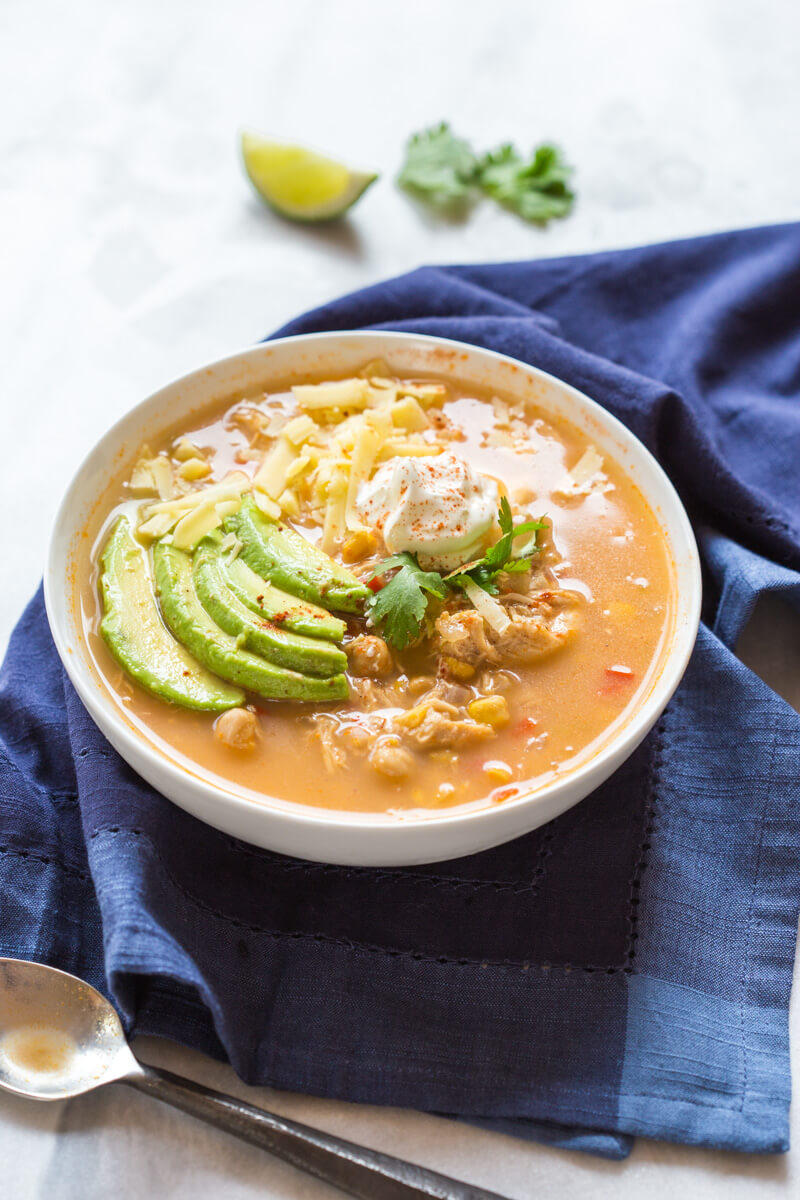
x,y
537,189
500,556
442,169
400,606
439,167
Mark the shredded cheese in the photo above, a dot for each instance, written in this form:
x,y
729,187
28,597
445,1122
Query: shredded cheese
x,y
408,414
406,447
365,452
271,475
195,525
268,507
347,393
315,461
228,489
141,481
161,470
157,526
300,429
375,367
586,476
335,522
426,393
587,465
493,613
301,465
289,502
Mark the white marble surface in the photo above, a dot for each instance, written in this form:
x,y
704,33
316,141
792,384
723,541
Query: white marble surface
x,y
132,250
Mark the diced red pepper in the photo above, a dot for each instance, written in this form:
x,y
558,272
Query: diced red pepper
x,y
616,679
504,793
377,583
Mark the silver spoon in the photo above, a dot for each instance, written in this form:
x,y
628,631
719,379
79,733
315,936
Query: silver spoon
x,y
59,1038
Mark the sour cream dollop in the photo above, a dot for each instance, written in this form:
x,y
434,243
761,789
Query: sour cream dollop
x,y
437,507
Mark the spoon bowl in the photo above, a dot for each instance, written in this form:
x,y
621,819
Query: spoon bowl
x,y
58,1036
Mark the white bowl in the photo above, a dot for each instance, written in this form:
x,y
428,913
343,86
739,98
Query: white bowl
x,y
363,839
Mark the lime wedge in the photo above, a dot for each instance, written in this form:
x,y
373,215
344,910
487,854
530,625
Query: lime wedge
x,y
300,184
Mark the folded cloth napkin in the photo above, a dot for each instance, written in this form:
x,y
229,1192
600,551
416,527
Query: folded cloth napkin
x,y
624,970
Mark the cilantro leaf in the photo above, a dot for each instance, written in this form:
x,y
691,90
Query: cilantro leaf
x,y
537,189
500,556
439,166
401,604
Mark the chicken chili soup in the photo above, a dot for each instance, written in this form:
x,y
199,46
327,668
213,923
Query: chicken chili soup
x,y
378,594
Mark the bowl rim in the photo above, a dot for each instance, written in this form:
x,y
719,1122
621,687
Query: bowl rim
x,y
616,749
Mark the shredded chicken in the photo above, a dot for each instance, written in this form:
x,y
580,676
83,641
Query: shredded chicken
x,y
539,624
537,628
369,656
237,728
324,731
438,729
249,419
462,635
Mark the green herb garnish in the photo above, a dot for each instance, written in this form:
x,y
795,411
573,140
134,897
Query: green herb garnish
x,y
439,167
401,604
500,556
443,170
536,188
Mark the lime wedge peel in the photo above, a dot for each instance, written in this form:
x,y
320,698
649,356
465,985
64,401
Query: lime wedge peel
x,y
299,184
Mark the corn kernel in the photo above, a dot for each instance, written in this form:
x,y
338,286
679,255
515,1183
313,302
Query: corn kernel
x,y
412,717
498,772
458,669
194,468
490,710
358,545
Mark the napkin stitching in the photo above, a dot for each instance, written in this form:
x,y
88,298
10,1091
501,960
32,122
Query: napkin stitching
x,y
351,944
765,519
56,794
47,859
746,965
654,778
518,887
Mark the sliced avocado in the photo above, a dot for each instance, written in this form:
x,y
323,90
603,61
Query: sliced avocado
x,y
137,637
220,652
313,656
288,560
279,607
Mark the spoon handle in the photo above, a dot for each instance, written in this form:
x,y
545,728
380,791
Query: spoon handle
x,y
365,1174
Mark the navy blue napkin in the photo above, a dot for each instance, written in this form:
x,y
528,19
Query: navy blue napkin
x,y
624,970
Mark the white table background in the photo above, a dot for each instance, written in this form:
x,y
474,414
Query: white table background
x,y
133,250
